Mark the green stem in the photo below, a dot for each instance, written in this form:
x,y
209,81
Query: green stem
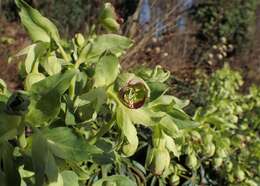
x,y
63,53
72,88
35,67
101,132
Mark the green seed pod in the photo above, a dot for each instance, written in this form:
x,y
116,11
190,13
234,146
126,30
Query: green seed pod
x,y
239,174
160,162
132,90
33,78
174,180
209,149
17,104
229,166
191,161
80,40
217,162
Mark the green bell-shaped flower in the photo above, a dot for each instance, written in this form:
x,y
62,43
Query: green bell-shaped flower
x,y
160,161
132,90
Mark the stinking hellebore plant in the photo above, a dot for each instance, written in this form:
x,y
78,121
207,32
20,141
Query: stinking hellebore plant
x,y
80,119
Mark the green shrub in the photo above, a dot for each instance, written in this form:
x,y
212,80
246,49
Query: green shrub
x,y
231,121
233,20
81,120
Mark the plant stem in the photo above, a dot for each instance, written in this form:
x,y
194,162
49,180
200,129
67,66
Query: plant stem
x,y
63,53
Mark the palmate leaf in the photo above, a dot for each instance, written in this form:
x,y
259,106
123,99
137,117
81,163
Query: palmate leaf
x,y
65,144
38,27
107,70
45,98
108,42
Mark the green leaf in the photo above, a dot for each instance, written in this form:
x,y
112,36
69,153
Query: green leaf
x,y
58,182
96,97
31,79
141,116
107,70
108,155
51,169
12,176
169,126
45,98
128,130
39,156
65,144
8,124
38,27
51,65
70,178
117,179
30,59
109,42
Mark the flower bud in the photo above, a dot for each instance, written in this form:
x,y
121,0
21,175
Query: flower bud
x,y
239,174
195,135
217,162
161,161
174,180
209,149
191,161
221,153
80,40
229,166
108,17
